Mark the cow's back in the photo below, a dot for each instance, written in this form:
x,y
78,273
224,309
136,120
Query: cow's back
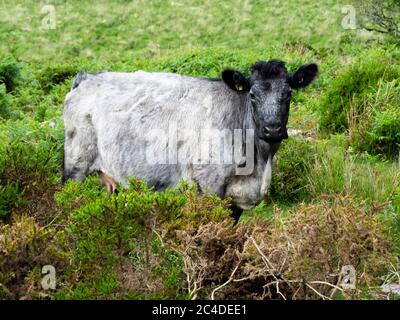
x,y
161,97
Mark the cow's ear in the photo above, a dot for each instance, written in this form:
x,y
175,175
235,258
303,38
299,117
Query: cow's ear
x,y
303,76
235,80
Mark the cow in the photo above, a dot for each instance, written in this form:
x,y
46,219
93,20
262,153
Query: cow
x,y
114,120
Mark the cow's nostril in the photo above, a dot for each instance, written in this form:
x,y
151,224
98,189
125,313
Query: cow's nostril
x,y
274,132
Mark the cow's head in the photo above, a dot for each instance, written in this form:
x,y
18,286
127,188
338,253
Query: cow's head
x,y
269,89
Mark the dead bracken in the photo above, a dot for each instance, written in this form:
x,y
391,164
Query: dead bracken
x,y
294,257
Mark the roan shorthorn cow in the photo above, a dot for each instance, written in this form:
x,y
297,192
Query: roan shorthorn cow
x,y
154,126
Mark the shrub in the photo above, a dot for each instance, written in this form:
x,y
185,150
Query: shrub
x,y
119,240
328,173
290,173
24,248
29,165
377,129
31,151
5,103
10,73
10,79
380,15
349,88
385,133
380,135
210,62
122,246
54,74
363,99
295,257
10,197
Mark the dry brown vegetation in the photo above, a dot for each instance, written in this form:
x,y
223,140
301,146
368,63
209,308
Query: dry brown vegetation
x,y
295,257
24,246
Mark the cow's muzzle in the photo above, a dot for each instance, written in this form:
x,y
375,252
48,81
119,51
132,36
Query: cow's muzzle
x,y
274,133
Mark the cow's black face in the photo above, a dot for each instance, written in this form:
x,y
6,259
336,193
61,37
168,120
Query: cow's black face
x,y
270,100
269,90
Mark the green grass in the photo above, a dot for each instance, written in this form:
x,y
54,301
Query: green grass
x,y
132,29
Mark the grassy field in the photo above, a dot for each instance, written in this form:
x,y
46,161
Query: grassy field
x,y
335,195
127,30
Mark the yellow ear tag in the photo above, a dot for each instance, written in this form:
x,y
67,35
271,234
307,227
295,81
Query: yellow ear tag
x,y
239,87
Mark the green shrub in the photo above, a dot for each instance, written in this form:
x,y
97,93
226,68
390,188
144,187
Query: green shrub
x,y
381,135
363,99
290,174
5,103
348,89
54,74
377,129
385,133
10,73
127,234
10,197
10,79
30,161
328,173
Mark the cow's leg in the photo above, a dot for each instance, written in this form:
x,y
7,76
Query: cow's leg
x,y
236,213
108,182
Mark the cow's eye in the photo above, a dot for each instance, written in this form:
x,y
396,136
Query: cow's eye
x,y
252,96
